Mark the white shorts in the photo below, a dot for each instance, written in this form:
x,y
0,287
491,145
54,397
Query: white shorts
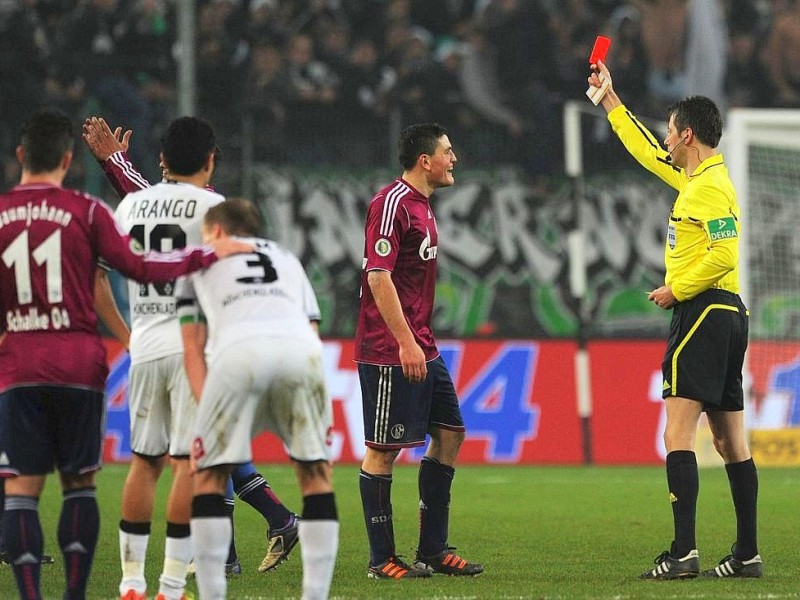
x,y
262,384
162,408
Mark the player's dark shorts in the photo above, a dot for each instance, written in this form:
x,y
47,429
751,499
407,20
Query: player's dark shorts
x,y
42,427
398,413
705,350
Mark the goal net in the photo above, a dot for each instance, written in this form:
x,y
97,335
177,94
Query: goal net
x,y
762,152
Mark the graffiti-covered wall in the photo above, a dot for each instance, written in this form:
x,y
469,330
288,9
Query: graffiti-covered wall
x,y
503,260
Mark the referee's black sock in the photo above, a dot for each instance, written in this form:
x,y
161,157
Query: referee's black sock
x,y
743,478
376,499
435,480
684,484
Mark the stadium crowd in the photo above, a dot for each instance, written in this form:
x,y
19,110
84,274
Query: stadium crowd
x,y
325,81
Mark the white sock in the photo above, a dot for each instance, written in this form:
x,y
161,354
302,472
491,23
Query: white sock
x,y
211,537
319,541
132,552
177,555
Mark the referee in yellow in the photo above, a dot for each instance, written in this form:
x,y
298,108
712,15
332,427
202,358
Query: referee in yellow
x,y
702,367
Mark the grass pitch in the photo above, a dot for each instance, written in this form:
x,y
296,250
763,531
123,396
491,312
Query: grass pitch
x,y
541,532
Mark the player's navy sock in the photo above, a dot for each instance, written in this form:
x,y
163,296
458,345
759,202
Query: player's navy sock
x,y
78,529
2,509
743,479
24,543
435,480
232,556
254,489
684,485
376,499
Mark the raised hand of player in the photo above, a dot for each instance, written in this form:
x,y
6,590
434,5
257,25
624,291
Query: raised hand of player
x,y
101,141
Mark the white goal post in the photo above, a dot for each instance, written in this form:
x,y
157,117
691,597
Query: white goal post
x,y
762,153
751,135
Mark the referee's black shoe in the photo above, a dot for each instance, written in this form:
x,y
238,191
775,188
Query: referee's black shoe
x,y
669,567
730,566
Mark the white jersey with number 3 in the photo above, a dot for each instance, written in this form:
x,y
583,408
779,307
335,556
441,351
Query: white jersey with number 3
x,y
163,217
262,294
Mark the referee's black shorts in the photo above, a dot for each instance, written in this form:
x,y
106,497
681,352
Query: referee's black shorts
x,y
705,350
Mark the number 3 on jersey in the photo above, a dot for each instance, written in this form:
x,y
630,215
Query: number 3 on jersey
x,y
162,238
267,272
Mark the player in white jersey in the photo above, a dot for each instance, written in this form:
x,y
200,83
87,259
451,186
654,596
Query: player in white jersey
x,y
109,148
264,373
162,217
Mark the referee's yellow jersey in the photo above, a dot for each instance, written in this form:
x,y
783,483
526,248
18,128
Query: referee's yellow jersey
x,y
702,247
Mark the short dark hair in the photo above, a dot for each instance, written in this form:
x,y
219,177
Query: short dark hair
x,y
236,216
702,115
187,144
47,136
421,138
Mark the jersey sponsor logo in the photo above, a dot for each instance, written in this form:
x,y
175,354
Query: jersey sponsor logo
x,y
426,251
383,247
722,229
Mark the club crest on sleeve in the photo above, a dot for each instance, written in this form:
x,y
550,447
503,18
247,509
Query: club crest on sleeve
x,y
383,247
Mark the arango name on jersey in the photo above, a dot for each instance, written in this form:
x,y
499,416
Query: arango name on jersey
x,y
160,208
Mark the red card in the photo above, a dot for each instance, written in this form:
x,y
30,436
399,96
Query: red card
x,y
601,46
